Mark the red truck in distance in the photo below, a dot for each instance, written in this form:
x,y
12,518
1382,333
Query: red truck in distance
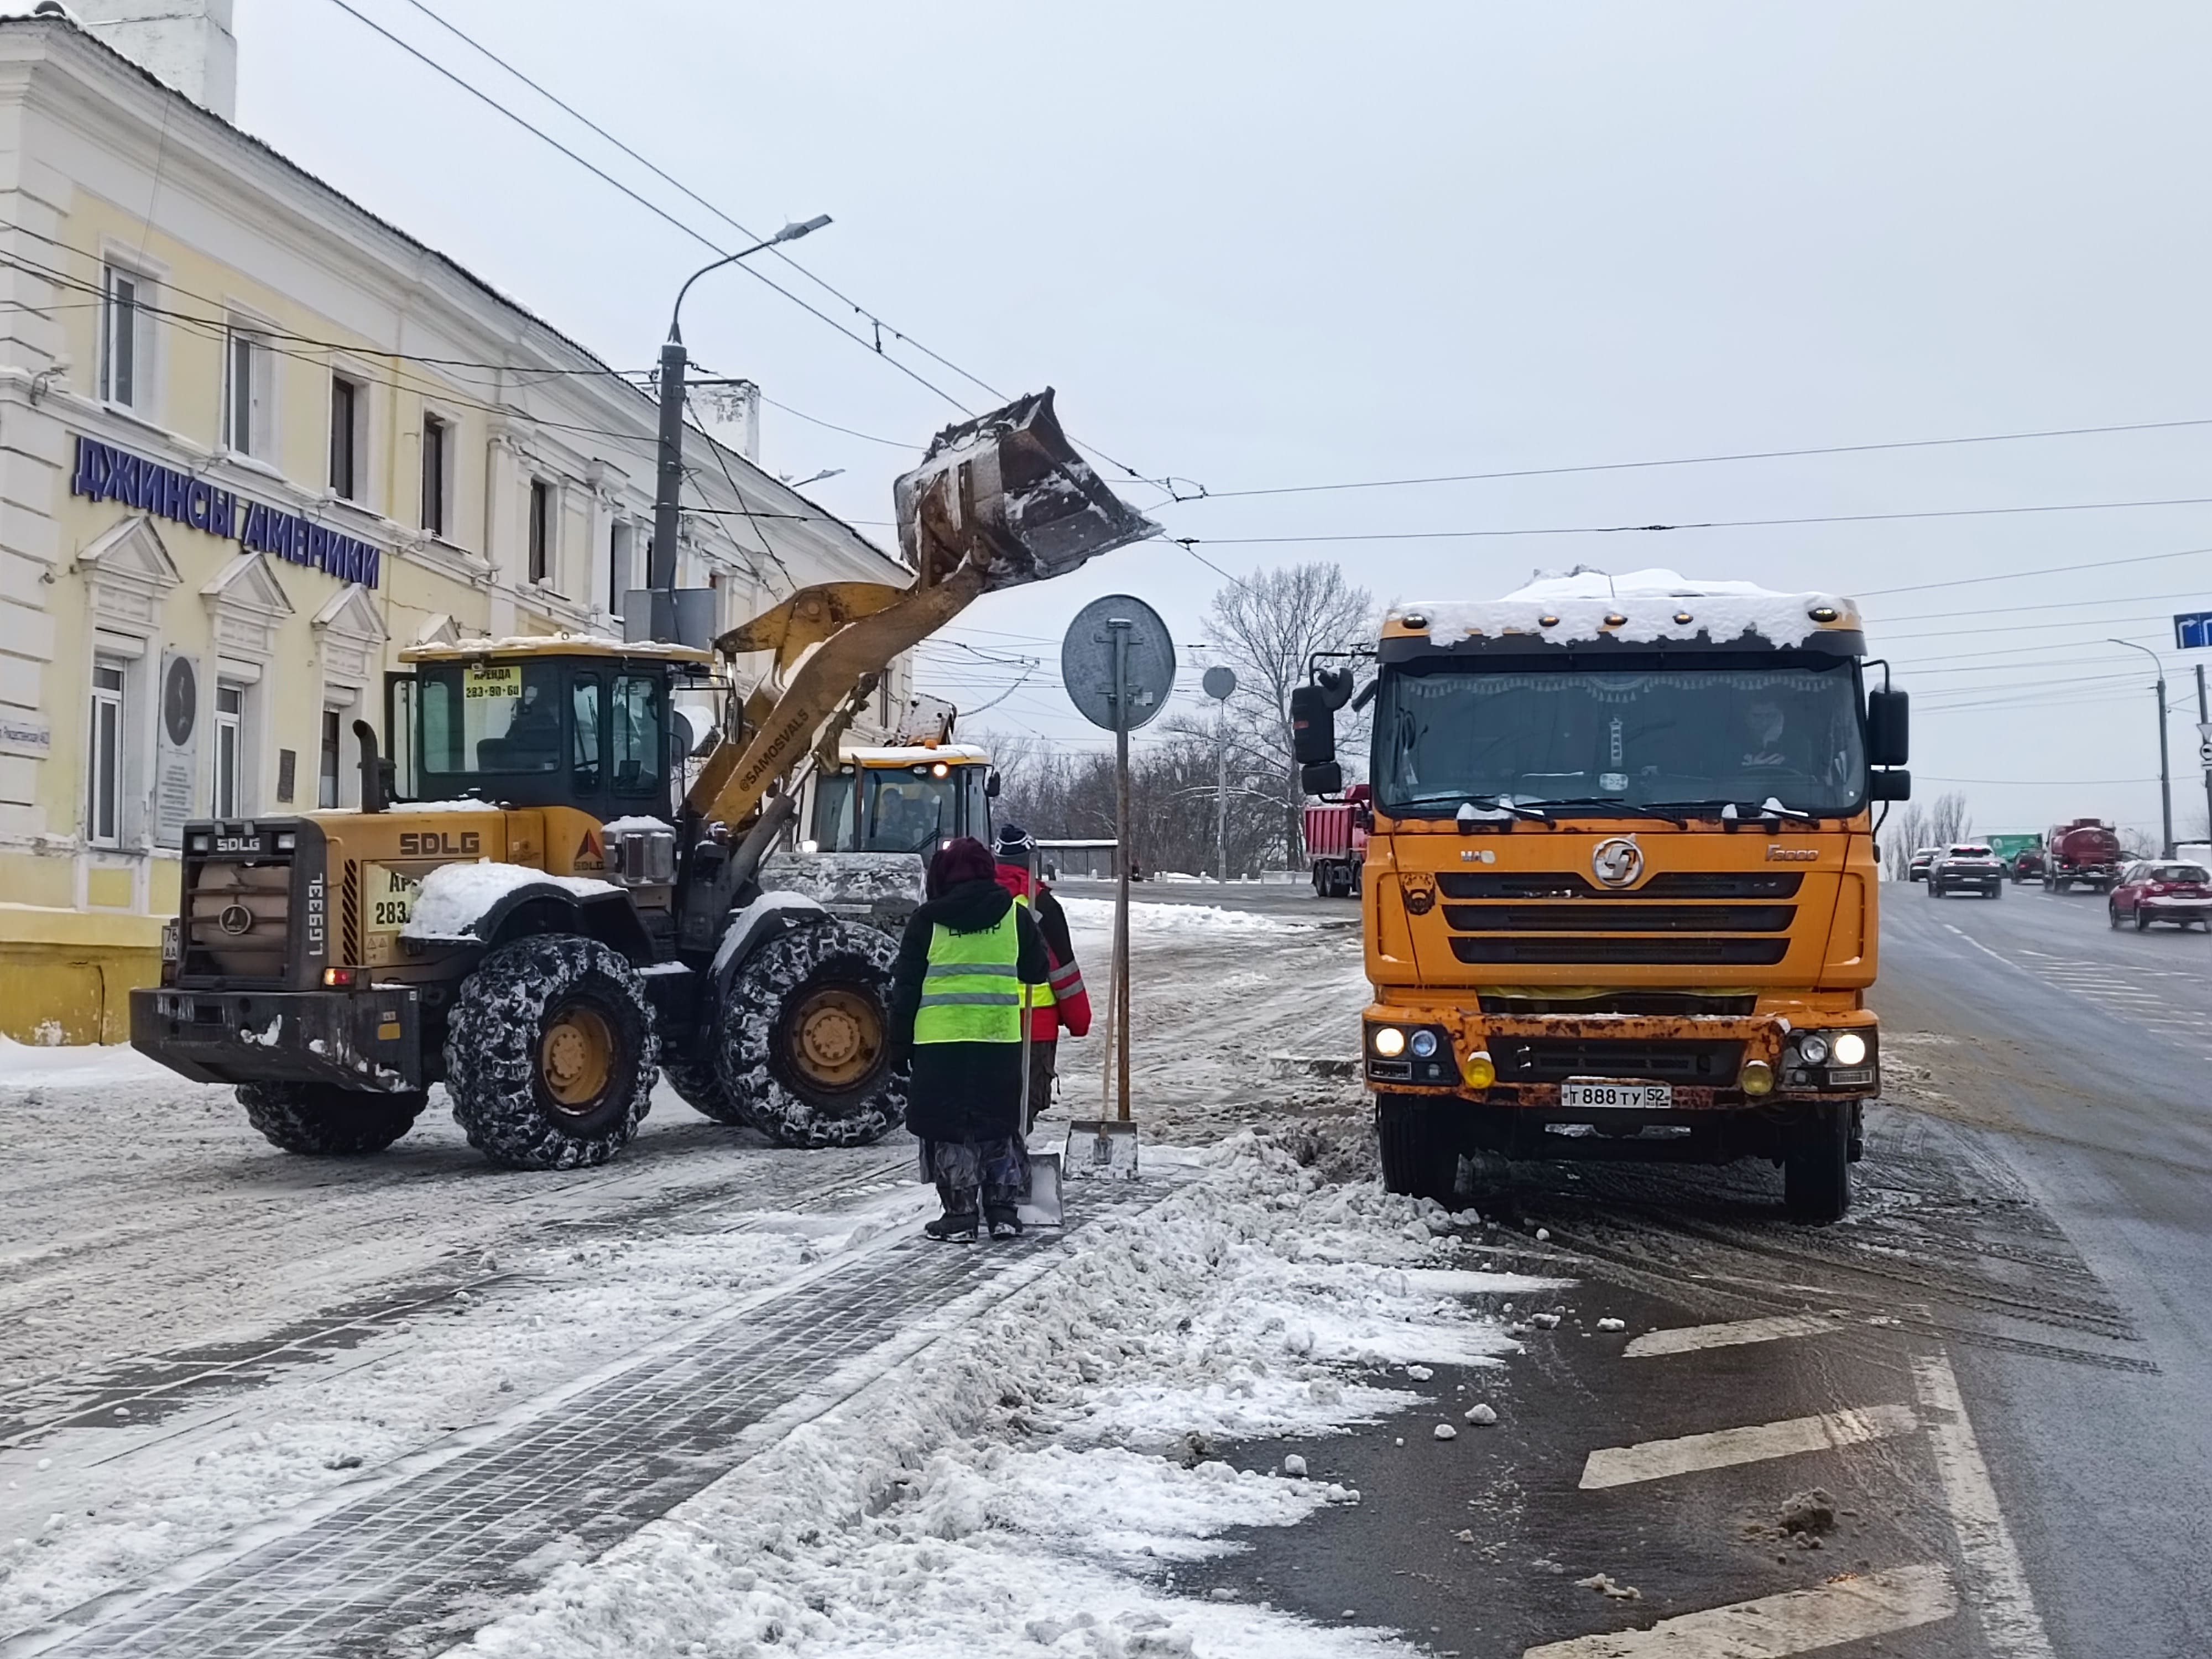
x,y
1336,843
2082,853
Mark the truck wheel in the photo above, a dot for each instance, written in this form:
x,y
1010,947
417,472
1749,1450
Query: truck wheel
x,y
550,1053
805,1052
321,1121
1420,1157
1320,881
1816,1170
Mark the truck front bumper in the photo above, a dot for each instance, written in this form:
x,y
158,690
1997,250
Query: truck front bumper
x,y
1704,1059
367,1039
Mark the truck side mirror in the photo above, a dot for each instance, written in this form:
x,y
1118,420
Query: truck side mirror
x,y
1889,729
991,782
1321,777
1313,727
1895,784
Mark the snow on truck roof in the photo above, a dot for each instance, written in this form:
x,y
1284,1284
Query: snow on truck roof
x,y
1638,608
913,754
554,645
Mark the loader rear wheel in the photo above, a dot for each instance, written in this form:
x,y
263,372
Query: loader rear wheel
x,y
319,1120
550,1053
700,1088
805,1038
1420,1156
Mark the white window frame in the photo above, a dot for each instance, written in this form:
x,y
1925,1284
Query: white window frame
x,y
257,388
623,543
127,385
108,754
449,433
228,731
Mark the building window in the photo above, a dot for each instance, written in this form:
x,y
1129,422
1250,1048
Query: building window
x,y
326,791
230,746
622,565
541,530
247,367
104,808
122,324
437,450
348,430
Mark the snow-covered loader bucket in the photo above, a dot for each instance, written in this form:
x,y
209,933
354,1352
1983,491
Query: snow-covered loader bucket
x,y
1009,487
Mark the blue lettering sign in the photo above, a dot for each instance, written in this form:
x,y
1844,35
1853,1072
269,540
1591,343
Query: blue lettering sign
x,y
105,473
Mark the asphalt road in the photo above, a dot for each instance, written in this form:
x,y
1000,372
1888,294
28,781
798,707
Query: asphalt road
x,y
2019,1303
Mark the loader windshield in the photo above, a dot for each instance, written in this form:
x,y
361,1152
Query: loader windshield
x,y
1694,739
905,810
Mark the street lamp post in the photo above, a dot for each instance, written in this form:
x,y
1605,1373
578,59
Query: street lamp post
x,y
668,488
2165,771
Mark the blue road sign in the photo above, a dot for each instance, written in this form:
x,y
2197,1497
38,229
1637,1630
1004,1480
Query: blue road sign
x,y
2192,630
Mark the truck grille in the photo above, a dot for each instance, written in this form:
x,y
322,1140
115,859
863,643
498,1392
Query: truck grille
x,y
1620,1002
1712,1064
1621,917
1680,950
237,919
1667,884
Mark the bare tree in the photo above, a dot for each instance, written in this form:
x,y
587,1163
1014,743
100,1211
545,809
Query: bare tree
x,y
1938,823
1267,628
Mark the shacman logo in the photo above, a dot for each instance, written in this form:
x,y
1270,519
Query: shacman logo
x,y
1617,862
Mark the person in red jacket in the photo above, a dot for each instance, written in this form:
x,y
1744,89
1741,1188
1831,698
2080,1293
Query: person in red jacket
x,y
1063,1005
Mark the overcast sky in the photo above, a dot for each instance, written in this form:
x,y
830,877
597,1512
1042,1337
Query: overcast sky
x,y
1259,244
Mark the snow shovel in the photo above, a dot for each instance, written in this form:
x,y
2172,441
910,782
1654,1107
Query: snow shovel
x,y
1041,1206
1105,1150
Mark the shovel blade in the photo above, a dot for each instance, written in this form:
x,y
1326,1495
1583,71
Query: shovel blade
x,y
1042,1208
1007,490
1102,1149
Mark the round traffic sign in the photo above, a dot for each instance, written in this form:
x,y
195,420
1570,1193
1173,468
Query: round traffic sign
x,y
1219,683
1087,659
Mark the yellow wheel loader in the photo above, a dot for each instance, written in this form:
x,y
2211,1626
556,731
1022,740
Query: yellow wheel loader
x,y
549,919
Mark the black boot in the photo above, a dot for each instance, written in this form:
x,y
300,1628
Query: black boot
x,y
953,1227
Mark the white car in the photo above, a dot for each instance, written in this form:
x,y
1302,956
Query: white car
x,y
1966,864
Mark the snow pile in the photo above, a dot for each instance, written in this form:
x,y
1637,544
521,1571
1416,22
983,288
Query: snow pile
x,y
27,1066
863,879
1649,600
455,897
1175,918
636,825
1027,1481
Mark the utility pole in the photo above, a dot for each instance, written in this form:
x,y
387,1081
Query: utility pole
x,y
2165,768
2203,719
668,472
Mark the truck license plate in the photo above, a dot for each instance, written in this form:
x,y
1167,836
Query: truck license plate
x,y
1598,1093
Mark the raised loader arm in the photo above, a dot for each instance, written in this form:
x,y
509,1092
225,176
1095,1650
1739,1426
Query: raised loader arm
x,y
997,502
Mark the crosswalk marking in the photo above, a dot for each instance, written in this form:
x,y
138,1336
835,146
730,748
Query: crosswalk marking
x,y
2010,1624
1848,1609
1687,1339
1657,1460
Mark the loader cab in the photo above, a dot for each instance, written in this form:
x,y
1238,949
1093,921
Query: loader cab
x,y
594,725
902,798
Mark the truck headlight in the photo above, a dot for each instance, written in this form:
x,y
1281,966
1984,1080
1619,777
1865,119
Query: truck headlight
x,y
1390,1041
1850,1048
1424,1045
1813,1048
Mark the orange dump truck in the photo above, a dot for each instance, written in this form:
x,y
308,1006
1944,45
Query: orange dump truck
x,y
1621,887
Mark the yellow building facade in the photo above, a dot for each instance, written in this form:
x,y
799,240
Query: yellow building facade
x,y
253,441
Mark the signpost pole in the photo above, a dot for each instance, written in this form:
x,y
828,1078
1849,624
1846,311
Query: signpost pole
x,y
2165,768
1120,629
2203,719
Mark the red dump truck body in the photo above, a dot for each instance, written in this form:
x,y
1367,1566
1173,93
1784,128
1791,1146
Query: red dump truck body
x,y
1336,843
2083,853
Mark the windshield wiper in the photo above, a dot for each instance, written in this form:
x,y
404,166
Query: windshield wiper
x,y
1605,806
1476,808
1732,811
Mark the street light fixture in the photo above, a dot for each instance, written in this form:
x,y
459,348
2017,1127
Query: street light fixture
x,y
660,570
2165,773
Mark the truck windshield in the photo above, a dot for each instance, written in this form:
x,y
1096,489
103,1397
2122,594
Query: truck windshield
x,y
909,809
501,718
1662,737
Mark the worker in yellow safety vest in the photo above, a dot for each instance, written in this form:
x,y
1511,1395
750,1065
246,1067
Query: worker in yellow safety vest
x,y
956,998
1062,1004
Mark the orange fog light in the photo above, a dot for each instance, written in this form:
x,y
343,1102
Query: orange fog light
x,y
1757,1078
1479,1071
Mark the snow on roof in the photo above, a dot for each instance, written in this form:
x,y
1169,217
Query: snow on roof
x,y
590,645
957,754
455,897
1656,605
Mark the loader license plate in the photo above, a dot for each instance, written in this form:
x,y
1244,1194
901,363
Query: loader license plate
x,y
389,895
1598,1094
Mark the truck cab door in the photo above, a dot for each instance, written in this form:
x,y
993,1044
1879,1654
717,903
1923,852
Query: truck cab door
x,y
401,697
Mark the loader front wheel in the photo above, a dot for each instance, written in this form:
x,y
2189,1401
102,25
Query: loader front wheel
x,y
319,1120
1419,1155
805,1038
550,1053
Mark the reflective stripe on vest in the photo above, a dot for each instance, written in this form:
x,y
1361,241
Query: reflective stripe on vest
x,y
1035,996
971,992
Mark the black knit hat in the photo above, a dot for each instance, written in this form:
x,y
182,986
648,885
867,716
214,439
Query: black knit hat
x,y
1014,844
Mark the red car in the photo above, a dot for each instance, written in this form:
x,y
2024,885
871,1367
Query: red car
x,y
2156,891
